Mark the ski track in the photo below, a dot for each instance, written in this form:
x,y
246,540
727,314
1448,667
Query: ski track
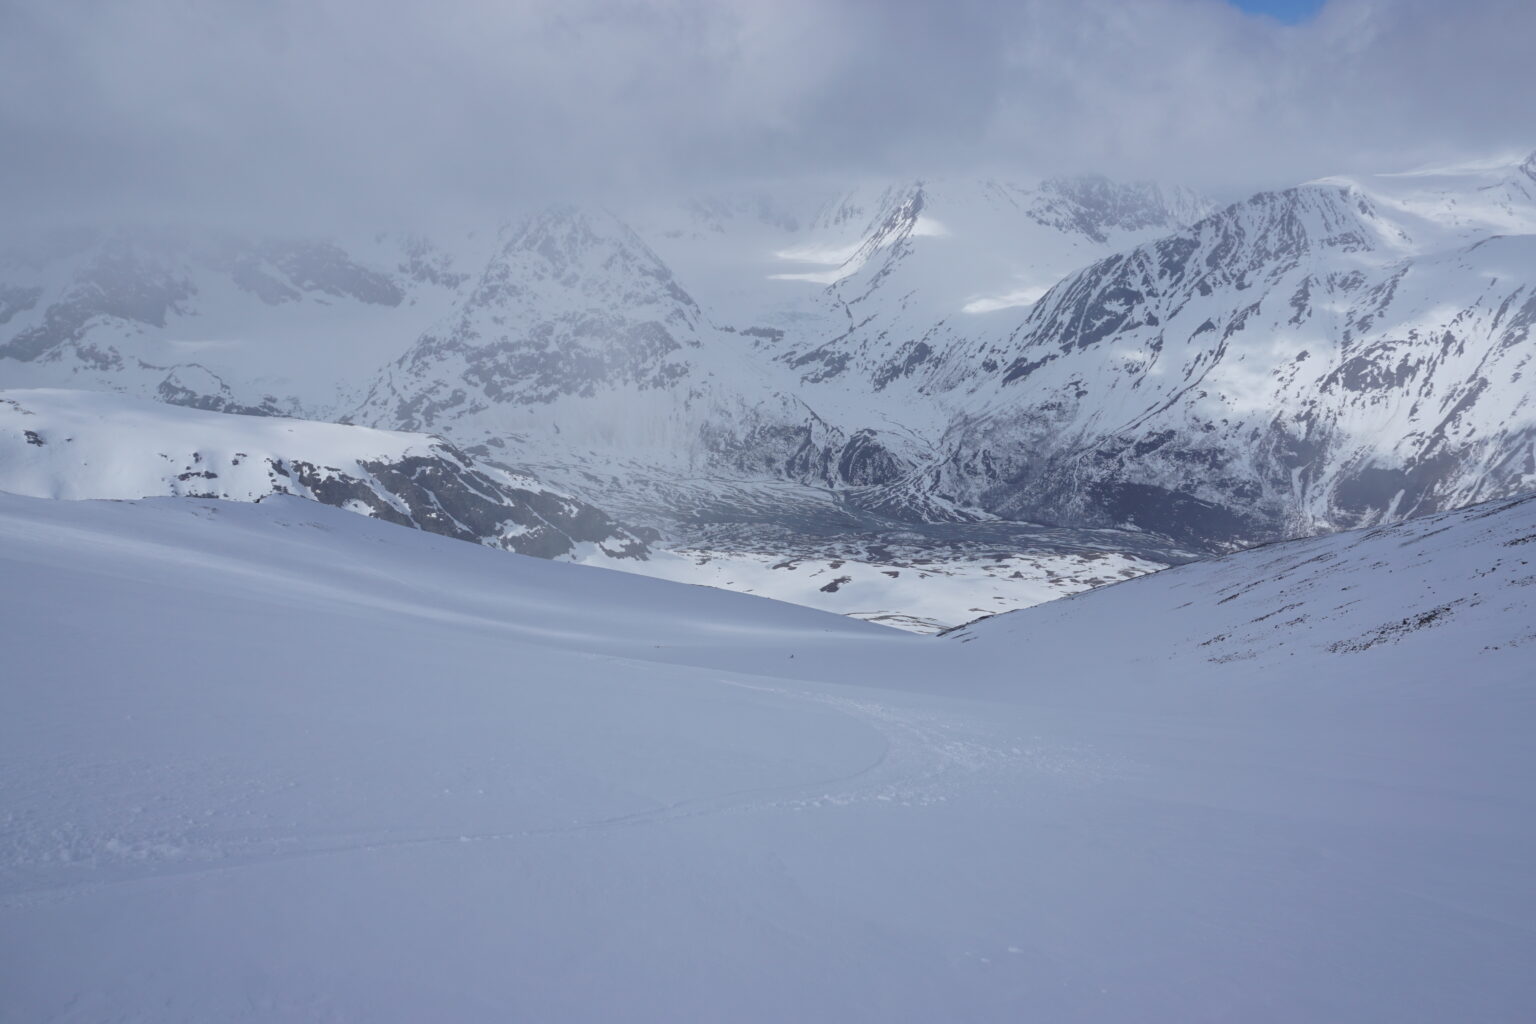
x,y
925,760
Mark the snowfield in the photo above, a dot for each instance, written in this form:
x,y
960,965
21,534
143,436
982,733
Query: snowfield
x,y
90,444
279,762
57,443
910,591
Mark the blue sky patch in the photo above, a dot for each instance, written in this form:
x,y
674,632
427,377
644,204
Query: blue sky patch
x,y
1289,11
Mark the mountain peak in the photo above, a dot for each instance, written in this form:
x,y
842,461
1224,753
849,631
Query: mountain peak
x,y
573,249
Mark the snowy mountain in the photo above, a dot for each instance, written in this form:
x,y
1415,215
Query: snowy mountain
x,y
285,762
578,334
1336,354
218,321
750,342
1062,355
81,444
937,255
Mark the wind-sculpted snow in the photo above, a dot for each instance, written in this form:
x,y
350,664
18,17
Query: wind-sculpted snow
x,y
276,761
77,444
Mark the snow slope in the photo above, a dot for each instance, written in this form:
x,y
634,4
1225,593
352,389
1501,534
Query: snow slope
x,y
84,444
279,762
1436,611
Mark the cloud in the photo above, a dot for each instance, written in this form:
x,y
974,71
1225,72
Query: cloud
x,y
382,110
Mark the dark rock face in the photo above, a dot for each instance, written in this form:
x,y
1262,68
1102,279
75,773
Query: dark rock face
x,y
1093,206
451,499
427,264
438,495
210,394
16,299
284,270
864,461
1184,518
811,452
321,267
906,360
123,281
444,493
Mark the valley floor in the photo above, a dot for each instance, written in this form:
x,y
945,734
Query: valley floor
x,y
280,762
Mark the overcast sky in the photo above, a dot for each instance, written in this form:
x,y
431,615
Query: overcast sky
x,y
385,110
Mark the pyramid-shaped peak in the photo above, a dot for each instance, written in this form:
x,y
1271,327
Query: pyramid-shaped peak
x,y
583,240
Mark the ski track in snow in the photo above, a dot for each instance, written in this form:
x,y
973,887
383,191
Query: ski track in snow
x,y
395,794
926,759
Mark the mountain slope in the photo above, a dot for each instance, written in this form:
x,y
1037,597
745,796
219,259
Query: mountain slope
x,y
1075,352
78,444
240,741
581,335
1438,609
215,320
1324,357
938,257
577,334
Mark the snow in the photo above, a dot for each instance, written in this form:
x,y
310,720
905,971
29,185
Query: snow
x,y
655,338
923,594
1018,297
81,445
1355,329
99,445
277,761
308,348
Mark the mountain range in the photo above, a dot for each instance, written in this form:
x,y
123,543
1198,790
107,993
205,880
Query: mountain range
x,y
277,743
1068,367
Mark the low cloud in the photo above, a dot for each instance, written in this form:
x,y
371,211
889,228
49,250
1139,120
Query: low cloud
x,y
386,112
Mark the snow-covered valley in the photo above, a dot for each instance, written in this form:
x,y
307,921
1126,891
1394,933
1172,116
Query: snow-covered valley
x,y
714,511
293,763
796,543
